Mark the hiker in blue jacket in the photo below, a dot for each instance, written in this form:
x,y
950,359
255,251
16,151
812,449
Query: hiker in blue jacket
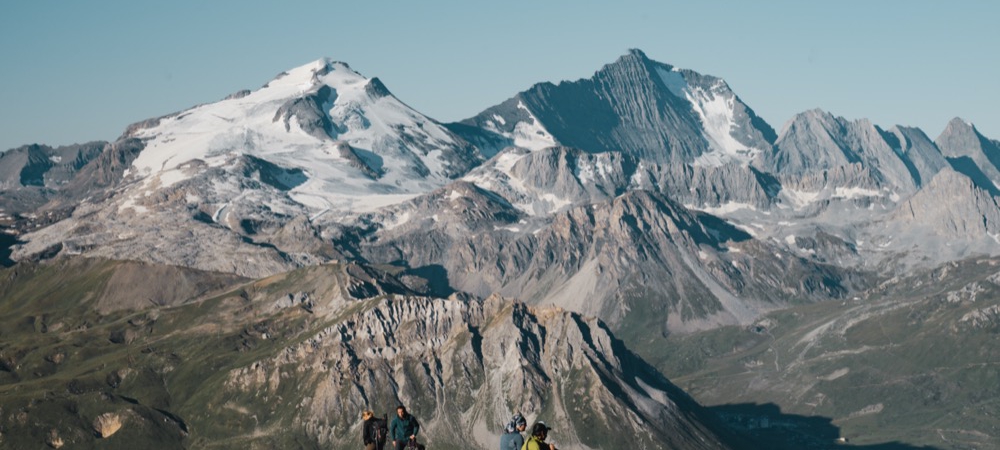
x,y
511,438
404,427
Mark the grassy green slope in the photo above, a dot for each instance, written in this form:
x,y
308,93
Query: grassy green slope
x,y
62,363
914,361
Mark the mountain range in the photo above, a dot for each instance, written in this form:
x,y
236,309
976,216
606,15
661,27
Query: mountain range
x,y
646,202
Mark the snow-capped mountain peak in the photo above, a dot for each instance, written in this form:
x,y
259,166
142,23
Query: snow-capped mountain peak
x,y
318,143
346,133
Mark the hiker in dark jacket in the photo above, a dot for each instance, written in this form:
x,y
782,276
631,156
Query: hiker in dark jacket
x,y
369,432
404,427
511,438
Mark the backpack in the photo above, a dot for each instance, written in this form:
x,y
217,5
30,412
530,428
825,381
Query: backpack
x,y
381,429
414,445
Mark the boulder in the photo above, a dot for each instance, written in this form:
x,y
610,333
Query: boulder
x,y
107,424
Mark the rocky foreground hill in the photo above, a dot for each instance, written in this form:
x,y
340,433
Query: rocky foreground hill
x,y
291,360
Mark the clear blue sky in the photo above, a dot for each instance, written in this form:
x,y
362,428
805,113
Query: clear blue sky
x,y
74,71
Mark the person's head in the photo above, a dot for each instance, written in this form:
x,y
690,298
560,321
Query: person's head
x,y
401,411
367,415
540,430
519,422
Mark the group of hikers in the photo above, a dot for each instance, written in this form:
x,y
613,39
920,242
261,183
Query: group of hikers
x,y
511,438
404,428
402,431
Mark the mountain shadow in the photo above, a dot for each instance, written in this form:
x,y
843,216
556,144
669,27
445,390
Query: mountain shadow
x,y
991,149
770,428
278,177
6,242
966,166
436,278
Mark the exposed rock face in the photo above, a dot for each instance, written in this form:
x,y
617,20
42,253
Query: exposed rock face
x,y
972,154
923,156
952,205
462,367
544,181
640,250
53,440
57,181
107,424
43,166
984,318
637,106
950,217
167,236
705,187
816,141
33,174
